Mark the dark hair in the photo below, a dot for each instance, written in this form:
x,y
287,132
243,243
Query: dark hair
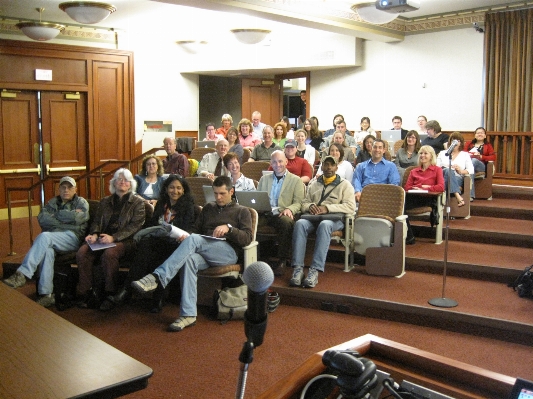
x,y
412,133
335,117
433,125
367,119
485,140
160,169
315,119
339,147
234,130
184,206
385,146
457,136
171,178
367,137
228,157
286,120
221,181
210,124
303,91
314,132
397,117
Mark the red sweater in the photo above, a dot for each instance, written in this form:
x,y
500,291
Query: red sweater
x,y
487,155
432,177
299,167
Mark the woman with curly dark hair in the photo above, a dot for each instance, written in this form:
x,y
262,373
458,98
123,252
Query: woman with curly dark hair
x,y
175,209
150,179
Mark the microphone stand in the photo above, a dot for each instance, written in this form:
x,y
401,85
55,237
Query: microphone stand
x,y
246,357
444,302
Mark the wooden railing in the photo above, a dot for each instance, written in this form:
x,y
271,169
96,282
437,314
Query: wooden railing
x,y
96,191
514,156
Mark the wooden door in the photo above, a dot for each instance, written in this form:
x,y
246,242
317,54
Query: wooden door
x,y
262,95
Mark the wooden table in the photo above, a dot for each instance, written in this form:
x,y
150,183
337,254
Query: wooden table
x,y
45,356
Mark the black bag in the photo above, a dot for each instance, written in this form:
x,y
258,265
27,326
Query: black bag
x,y
524,283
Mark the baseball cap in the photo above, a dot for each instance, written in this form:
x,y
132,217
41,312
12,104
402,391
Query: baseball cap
x,y
330,158
68,179
291,143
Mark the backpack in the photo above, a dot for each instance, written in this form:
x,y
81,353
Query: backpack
x,y
524,283
230,303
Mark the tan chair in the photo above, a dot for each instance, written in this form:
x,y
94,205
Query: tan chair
x,y
227,274
380,229
483,182
254,170
423,212
196,184
245,155
198,153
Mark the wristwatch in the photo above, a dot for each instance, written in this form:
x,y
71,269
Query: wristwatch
x,y
230,228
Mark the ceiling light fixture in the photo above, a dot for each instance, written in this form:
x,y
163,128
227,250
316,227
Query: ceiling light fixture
x,y
250,36
87,12
41,31
369,13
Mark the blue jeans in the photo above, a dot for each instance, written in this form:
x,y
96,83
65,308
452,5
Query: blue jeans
x,y
302,228
194,253
42,255
479,166
456,182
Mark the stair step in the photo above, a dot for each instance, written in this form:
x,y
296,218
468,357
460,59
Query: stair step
x,y
508,208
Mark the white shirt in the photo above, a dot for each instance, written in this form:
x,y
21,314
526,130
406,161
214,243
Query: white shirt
x,y
462,159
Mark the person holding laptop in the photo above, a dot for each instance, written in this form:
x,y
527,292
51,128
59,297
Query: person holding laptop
x,y
328,194
286,192
211,133
63,222
222,229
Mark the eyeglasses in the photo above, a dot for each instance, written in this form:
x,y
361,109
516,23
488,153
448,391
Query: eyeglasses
x,y
122,180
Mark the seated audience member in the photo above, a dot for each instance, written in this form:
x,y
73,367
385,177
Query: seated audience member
x,y
427,176
286,192
421,122
211,164
263,151
305,151
435,138
296,165
344,168
220,219
339,138
461,167
480,150
377,170
175,163
348,139
211,134
288,127
329,193
397,125
280,134
119,217
257,125
336,119
247,136
365,131
234,144
240,182
63,222
176,208
366,150
300,124
227,122
150,180
314,136
407,155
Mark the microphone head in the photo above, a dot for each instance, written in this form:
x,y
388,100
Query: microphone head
x,y
258,277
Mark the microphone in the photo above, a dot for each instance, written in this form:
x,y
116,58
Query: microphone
x,y
454,144
258,277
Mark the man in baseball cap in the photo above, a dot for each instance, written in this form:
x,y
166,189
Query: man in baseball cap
x,y
63,222
296,165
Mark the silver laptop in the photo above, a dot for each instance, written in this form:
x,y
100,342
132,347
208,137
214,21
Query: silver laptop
x,y
391,135
206,144
209,195
257,200
422,136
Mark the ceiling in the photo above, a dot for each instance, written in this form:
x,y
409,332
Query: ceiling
x,y
172,10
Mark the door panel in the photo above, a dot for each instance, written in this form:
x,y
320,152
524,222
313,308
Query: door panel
x,y
18,134
264,98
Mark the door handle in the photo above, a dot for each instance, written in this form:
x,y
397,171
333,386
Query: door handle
x,y
65,169
30,170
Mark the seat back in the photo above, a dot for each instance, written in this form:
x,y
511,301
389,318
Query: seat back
x,y
197,192
245,155
382,200
254,170
397,145
483,183
198,153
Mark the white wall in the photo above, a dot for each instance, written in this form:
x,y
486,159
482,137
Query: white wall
x,y
390,82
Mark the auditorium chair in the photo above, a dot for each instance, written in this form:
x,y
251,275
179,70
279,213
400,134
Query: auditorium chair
x,y
380,229
245,155
199,152
196,185
483,182
461,211
424,212
254,170
214,278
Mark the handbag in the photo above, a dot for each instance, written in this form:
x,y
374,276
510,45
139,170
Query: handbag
x,y
231,303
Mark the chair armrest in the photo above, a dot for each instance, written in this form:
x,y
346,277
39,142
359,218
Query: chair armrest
x,y
250,253
401,218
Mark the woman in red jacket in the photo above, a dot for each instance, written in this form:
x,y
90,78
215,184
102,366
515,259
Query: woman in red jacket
x,y
480,150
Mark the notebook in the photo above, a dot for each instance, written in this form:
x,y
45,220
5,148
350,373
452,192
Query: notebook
x,y
391,135
209,195
257,200
522,389
206,144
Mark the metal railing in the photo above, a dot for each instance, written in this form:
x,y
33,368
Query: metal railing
x,y
100,174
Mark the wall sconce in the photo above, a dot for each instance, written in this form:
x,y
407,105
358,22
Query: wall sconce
x,y
41,31
87,12
250,36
